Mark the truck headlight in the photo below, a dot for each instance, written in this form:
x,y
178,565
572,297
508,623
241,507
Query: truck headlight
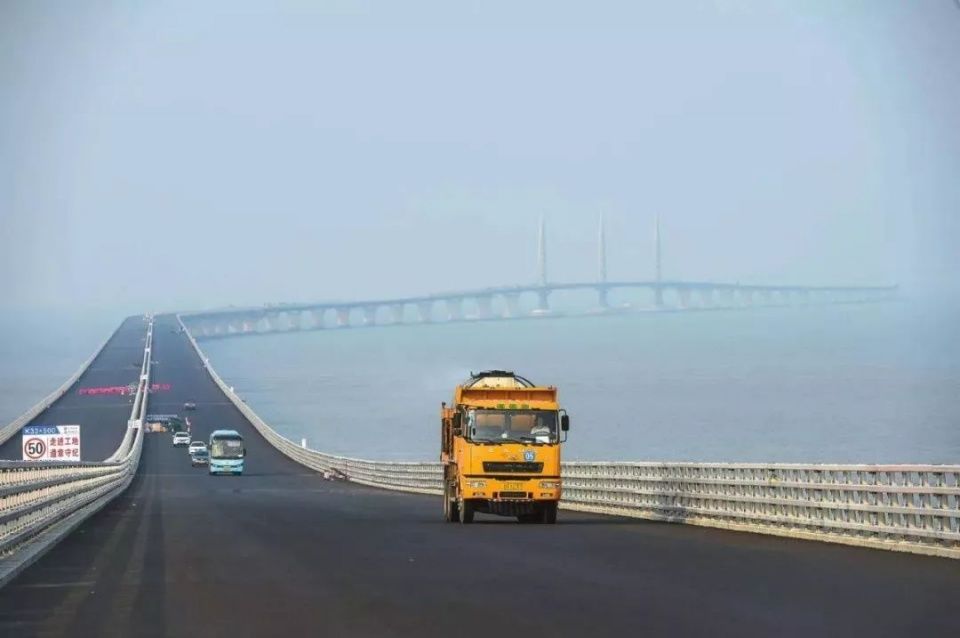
x,y
476,484
549,485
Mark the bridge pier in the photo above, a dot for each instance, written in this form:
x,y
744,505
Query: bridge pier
x,y
706,297
425,311
658,296
369,315
317,317
485,306
513,305
684,297
295,320
396,313
343,317
543,301
602,299
454,309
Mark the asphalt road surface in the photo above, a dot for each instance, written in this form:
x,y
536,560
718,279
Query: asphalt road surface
x,y
281,552
102,417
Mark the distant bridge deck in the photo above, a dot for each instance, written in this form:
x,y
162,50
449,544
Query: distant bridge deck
x,y
503,302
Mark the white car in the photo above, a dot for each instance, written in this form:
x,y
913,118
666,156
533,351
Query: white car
x,y
181,438
197,446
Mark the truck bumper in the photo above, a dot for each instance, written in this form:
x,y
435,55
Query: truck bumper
x,y
511,490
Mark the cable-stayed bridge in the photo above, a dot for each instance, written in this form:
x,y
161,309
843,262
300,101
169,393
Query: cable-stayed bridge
x,y
526,301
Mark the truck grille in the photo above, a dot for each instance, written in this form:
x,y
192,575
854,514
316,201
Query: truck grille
x,y
512,466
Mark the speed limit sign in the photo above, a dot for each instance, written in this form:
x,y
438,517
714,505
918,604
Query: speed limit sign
x,y
33,449
51,443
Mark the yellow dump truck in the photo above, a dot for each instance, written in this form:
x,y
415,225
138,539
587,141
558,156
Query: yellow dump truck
x,y
500,449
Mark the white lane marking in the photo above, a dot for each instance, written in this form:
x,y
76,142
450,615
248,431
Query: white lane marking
x,y
82,583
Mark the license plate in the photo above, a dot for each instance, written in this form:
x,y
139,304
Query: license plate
x,y
512,485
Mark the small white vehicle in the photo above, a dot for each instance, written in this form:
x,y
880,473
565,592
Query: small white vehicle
x,y
197,446
181,438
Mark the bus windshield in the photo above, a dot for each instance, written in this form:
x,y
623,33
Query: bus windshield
x,y
227,447
517,426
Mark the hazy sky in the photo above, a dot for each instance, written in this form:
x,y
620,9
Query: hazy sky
x,y
161,155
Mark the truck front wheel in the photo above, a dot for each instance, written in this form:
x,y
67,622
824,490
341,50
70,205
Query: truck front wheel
x,y
466,512
550,513
450,512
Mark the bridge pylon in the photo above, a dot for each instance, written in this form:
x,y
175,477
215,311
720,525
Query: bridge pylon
x,y
658,275
601,253
542,253
602,299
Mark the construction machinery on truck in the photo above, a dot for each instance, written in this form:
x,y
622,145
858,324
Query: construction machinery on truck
x,y
500,449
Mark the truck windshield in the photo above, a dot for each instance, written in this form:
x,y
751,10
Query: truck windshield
x,y
519,426
227,448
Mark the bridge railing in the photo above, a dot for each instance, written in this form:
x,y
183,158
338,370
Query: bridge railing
x,y
912,508
40,502
139,411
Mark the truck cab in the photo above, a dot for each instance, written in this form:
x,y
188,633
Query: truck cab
x,y
500,449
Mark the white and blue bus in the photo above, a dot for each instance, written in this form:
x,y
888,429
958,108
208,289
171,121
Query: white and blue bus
x,y
226,452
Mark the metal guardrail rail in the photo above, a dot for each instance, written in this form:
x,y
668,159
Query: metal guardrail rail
x,y
909,508
40,502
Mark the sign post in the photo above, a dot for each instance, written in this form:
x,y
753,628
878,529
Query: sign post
x,y
51,443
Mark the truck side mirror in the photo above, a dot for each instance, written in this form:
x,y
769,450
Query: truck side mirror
x,y
564,422
457,423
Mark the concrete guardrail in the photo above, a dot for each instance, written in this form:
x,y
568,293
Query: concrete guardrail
x,y
910,508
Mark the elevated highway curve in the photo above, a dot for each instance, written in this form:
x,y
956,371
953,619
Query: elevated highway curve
x,y
93,402
280,551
